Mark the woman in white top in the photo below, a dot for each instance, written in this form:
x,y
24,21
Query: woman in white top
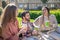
x,y
46,21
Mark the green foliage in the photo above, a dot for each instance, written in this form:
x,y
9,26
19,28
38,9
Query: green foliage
x,y
34,15
3,4
0,10
44,1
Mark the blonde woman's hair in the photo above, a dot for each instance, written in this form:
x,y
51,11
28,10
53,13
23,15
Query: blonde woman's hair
x,y
8,14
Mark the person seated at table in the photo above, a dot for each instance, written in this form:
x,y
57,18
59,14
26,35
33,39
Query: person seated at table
x,y
46,21
9,23
28,25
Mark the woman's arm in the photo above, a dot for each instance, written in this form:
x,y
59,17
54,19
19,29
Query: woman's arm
x,y
55,24
36,23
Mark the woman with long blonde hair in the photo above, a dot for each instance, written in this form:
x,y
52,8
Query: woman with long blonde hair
x,y
1,10
10,23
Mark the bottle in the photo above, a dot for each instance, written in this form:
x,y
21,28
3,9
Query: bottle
x,y
47,23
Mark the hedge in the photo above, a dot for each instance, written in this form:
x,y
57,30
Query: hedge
x,y
35,14
0,10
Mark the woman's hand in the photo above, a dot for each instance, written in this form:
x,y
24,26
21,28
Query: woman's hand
x,y
35,33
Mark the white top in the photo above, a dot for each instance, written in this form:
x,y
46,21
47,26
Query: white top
x,y
38,21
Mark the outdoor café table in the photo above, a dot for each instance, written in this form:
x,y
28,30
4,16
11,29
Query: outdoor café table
x,y
30,38
53,35
45,36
